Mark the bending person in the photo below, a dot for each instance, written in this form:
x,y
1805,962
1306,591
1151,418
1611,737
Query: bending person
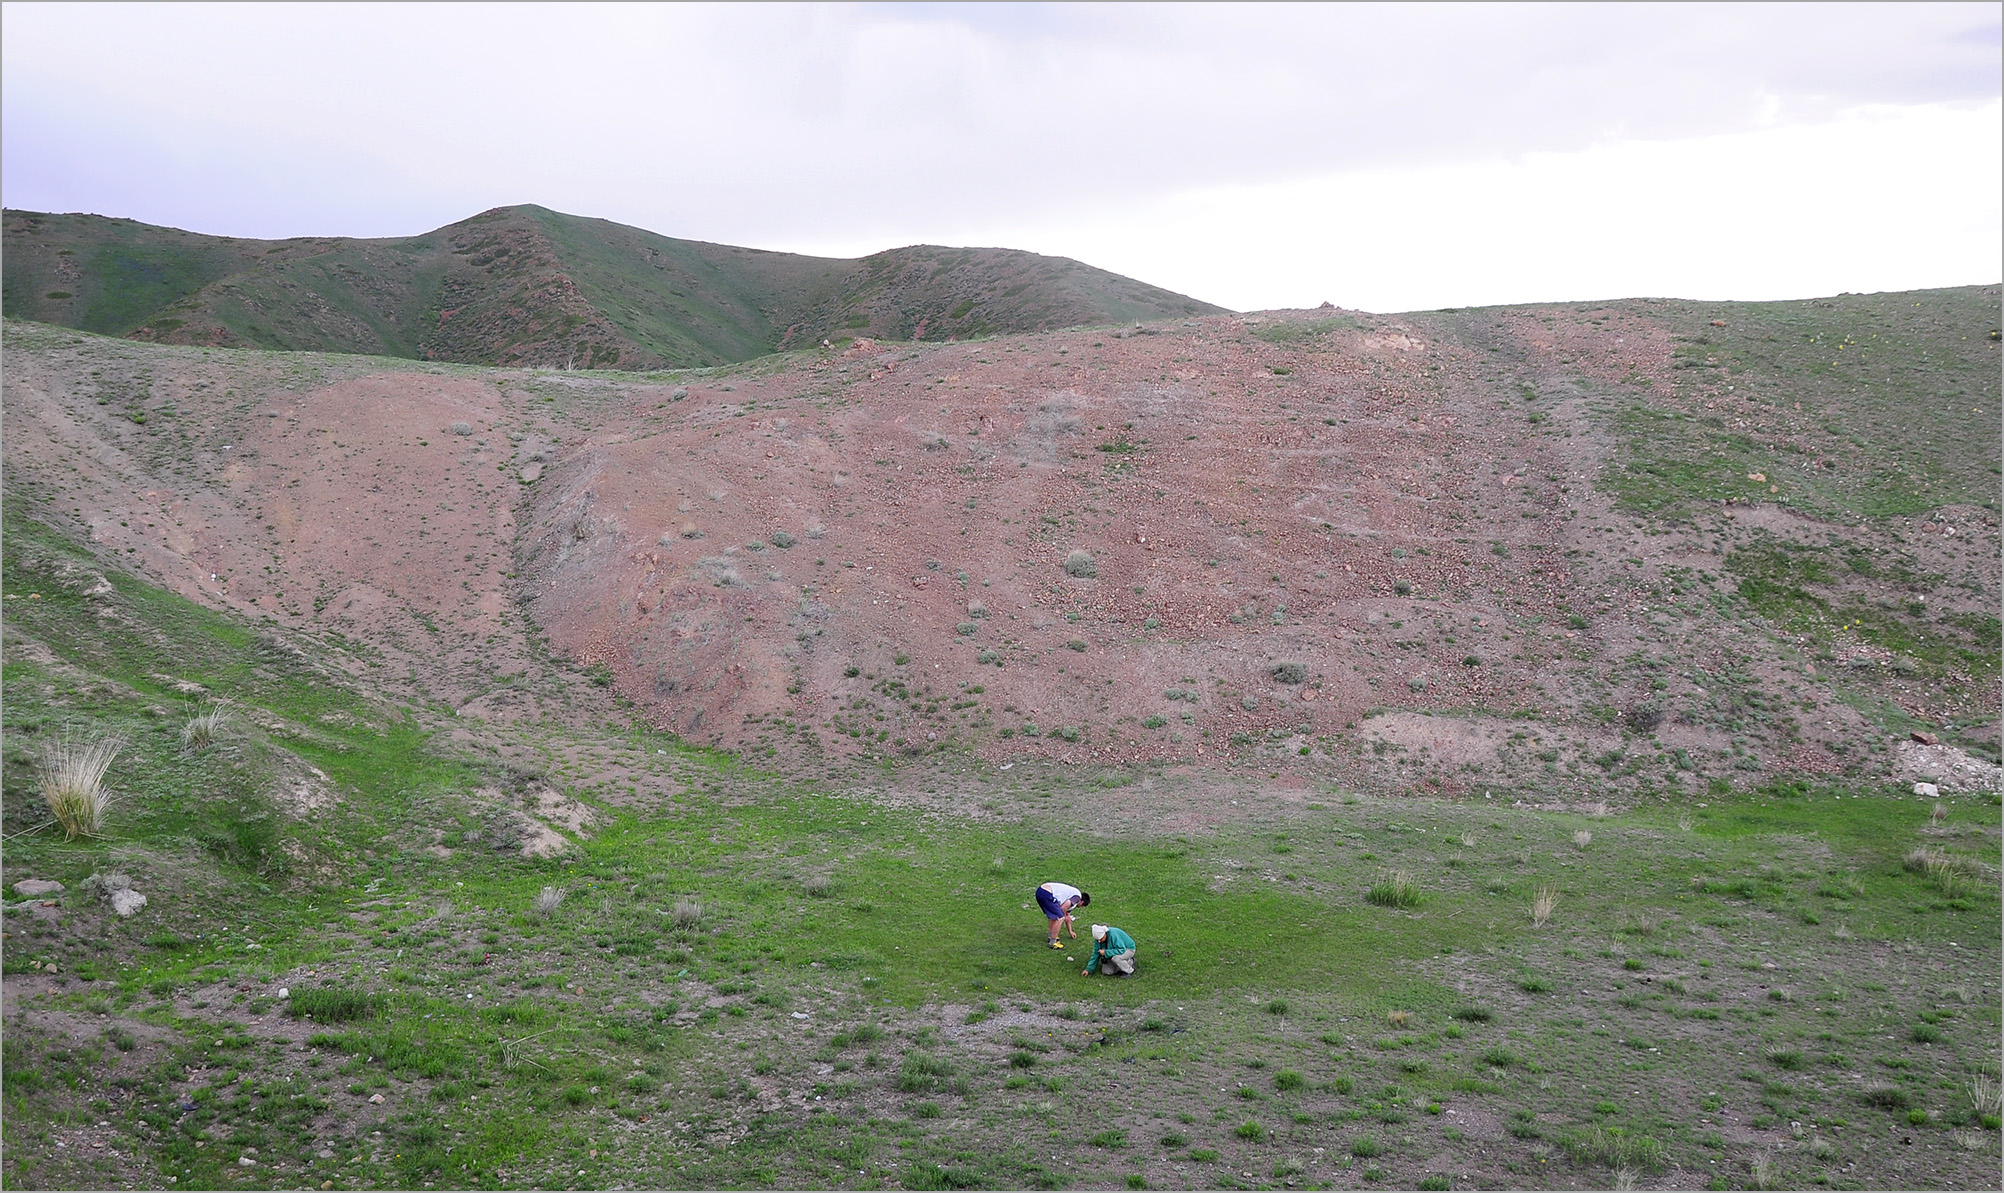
x,y
1058,902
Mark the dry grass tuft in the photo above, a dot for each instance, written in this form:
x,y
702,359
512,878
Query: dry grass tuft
x,y
1398,1018
1468,840
1600,811
819,886
206,727
686,913
1984,1095
1542,904
1938,814
1760,1172
72,783
1685,824
548,901
1582,839
1625,1177
1947,871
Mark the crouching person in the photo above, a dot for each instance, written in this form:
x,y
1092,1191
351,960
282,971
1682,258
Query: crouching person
x,y
1112,952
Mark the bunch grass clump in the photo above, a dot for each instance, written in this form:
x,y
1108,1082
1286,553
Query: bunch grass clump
x,y
1985,1097
71,781
1613,1147
548,900
332,1005
1946,871
924,1073
206,727
1784,1057
1397,889
1542,905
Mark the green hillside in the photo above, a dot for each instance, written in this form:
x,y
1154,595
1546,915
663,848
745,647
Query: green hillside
x,y
530,286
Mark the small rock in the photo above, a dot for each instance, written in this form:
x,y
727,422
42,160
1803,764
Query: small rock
x,y
325,1153
1926,739
285,992
246,1162
375,1099
1927,789
127,901
30,888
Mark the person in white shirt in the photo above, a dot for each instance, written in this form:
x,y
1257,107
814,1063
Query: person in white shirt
x,y
1058,902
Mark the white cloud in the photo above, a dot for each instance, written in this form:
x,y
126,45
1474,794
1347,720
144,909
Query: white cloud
x,y
872,125
1897,199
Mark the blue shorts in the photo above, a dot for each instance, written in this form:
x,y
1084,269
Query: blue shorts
x,y
1049,902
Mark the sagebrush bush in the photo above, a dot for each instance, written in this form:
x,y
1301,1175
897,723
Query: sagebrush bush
x,y
1081,564
71,781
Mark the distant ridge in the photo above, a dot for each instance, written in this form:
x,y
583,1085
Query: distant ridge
x,y
529,286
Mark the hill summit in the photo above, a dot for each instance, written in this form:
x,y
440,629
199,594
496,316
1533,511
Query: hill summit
x,y
528,286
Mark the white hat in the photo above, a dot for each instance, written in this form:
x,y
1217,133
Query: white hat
x,y
1099,931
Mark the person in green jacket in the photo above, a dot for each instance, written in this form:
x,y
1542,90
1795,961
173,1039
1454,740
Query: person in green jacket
x,y
1112,952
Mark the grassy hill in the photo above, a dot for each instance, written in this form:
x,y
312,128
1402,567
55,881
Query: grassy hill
x,y
525,285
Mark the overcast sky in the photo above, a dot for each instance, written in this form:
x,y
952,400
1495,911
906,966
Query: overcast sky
x,y
1385,158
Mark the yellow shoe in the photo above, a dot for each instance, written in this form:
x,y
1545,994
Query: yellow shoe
x,y
1057,944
